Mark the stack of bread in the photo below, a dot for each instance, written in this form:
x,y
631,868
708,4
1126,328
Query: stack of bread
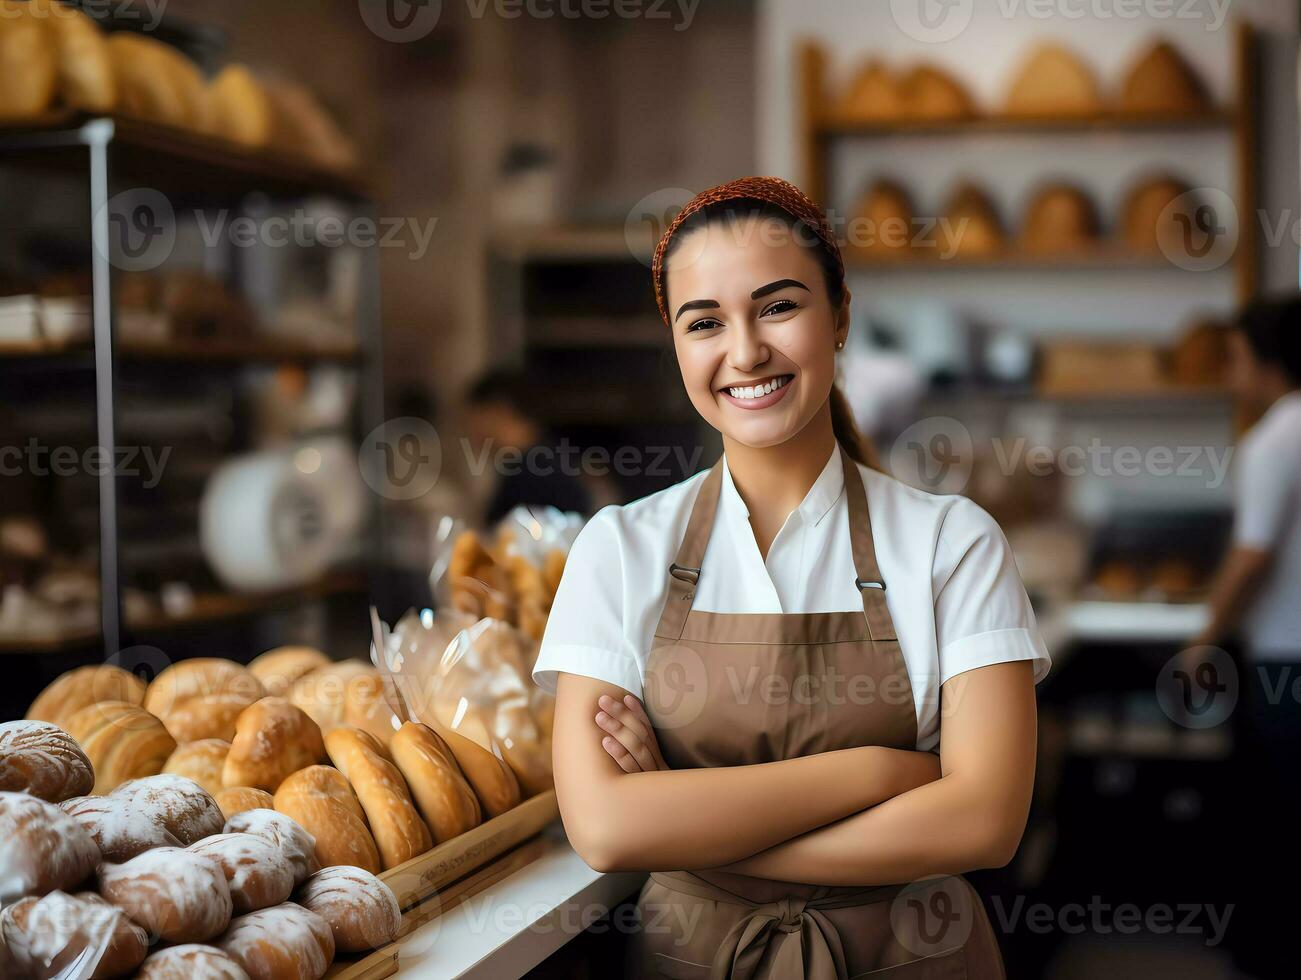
x,y
93,883
923,92
498,581
54,56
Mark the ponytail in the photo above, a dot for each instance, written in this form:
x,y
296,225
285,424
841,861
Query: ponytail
x,y
860,449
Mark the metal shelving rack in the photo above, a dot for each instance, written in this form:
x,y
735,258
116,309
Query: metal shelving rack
x,y
106,150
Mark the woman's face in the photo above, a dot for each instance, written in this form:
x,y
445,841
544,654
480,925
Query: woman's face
x,y
753,328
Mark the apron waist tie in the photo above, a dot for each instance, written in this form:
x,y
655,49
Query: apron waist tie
x,y
790,937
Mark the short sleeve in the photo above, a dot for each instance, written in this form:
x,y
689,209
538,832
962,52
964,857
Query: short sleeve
x,y
585,631
1262,491
982,613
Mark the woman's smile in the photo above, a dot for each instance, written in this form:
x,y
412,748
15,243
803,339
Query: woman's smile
x,y
757,394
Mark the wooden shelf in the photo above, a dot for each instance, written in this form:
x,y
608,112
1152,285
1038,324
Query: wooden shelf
x,y
832,125
226,351
1103,257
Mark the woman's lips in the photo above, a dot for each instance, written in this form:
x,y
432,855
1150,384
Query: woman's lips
x,y
753,404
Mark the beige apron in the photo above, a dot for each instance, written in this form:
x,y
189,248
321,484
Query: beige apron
x,y
730,689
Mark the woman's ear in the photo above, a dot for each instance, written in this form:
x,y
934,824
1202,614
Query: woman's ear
x,y
842,321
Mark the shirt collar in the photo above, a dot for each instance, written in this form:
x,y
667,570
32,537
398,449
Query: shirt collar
x,y
826,490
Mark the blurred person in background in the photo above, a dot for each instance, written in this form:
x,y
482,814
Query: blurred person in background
x,y
1258,589
512,444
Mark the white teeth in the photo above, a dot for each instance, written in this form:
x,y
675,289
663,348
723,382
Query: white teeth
x,y
757,391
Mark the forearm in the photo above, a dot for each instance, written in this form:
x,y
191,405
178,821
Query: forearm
x,y
1231,592
693,818
944,827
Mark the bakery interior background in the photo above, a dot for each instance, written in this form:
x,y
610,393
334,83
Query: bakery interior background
x,y
444,221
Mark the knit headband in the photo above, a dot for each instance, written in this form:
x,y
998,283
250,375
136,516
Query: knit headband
x,y
773,190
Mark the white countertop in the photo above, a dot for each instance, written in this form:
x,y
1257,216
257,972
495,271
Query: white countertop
x,y
514,924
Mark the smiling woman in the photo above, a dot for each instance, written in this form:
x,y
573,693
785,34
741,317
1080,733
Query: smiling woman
x,y
749,665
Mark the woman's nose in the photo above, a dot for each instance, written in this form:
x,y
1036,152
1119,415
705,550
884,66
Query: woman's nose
x,y
746,350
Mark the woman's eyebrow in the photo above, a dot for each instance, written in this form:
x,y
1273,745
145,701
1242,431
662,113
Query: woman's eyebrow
x,y
696,304
772,287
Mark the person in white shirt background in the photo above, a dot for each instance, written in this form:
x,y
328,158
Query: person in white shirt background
x,y
1257,592
751,283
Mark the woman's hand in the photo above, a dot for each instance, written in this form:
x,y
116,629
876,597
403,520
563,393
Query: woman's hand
x,y
630,737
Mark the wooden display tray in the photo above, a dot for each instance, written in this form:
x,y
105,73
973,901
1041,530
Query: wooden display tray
x,y
452,873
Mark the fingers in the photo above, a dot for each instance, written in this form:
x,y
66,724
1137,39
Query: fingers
x,y
628,738
620,755
639,712
620,711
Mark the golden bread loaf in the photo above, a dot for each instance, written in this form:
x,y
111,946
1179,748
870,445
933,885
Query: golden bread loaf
x,y
285,942
76,689
47,935
258,873
362,911
201,761
1162,82
399,831
494,782
873,96
42,849
1060,219
241,111
1054,82
320,801
932,93
443,795
365,707
29,62
272,739
278,669
177,895
201,698
320,693
42,759
191,961
237,799
971,227
86,79
1148,215
122,742
284,834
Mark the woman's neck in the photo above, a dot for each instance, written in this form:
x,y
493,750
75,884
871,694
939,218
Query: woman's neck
x,y
774,480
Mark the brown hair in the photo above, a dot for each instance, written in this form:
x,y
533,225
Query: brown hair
x,y
772,197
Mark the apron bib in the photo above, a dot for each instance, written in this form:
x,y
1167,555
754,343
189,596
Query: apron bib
x,y
731,689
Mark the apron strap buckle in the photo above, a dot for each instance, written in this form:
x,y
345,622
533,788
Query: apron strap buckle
x,y
864,584
684,573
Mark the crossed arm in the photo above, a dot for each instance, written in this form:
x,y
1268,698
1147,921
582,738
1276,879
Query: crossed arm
x,y
867,815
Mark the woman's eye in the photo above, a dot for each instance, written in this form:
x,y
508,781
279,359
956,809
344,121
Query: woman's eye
x,y
781,306
702,324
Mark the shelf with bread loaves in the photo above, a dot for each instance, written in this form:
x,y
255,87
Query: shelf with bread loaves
x,y
88,103
274,813
1059,227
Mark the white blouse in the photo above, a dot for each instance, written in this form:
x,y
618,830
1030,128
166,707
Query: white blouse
x,y
953,588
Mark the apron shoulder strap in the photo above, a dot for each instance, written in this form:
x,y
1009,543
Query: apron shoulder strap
x,y
868,578
684,572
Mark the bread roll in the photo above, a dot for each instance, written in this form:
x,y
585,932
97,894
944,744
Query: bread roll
x,y
192,961
365,707
1162,82
46,936
44,760
971,226
278,669
157,82
122,742
79,688
399,831
237,799
258,872
443,795
494,782
1147,215
320,693
272,739
305,129
321,801
1202,354
283,943
201,761
28,62
85,70
42,849
158,811
362,911
931,93
873,96
201,698
1060,219
1054,82
883,221
283,833
241,112
175,894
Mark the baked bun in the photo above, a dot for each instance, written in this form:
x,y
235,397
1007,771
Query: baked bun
x,y
122,741
1202,354
1060,219
77,689
286,942
972,228
304,128
42,849
237,799
362,911
284,834
399,831
320,693
1162,82
28,62
1147,207
46,936
320,800
175,894
85,70
240,111
202,698
873,96
258,873
1054,82
44,760
443,795
201,761
272,739
157,811
494,782
931,93
886,212
278,669
158,83
192,961
365,707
